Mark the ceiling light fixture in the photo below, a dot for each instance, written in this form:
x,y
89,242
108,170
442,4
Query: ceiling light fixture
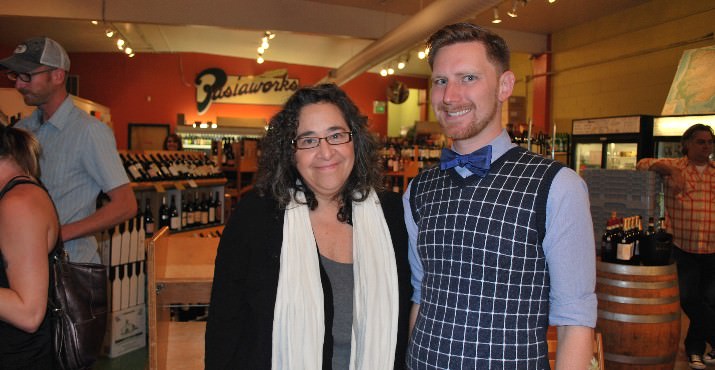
x,y
120,44
94,22
512,11
109,32
267,35
552,1
496,16
383,72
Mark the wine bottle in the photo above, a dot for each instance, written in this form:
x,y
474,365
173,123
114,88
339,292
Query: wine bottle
x,y
174,220
212,209
626,246
606,243
204,210
130,168
197,209
148,219
219,208
184,219
189,211
164,216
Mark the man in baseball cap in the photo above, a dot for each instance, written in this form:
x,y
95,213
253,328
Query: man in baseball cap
x,y
36,52
79,157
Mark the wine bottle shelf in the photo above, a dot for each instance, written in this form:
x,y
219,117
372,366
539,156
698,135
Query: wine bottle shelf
x,y
159,186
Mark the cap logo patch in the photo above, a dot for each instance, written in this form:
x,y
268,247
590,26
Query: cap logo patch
x,y
20,49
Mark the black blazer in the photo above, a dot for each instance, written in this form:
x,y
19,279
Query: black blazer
x,y
240,323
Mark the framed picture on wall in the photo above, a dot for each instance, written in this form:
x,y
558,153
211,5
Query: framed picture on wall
x,y
147,136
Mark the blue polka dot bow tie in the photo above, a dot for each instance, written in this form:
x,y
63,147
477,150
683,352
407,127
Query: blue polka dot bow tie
x,y
477,162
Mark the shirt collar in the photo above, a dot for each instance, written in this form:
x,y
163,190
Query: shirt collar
x,y
59,118
500,145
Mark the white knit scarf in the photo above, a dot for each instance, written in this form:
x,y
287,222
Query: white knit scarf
x,y
298,319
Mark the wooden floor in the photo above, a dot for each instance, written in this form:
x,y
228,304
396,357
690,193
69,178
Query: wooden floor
x,y
137,360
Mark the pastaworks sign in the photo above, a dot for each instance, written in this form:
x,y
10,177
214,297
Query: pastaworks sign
x,y
213,85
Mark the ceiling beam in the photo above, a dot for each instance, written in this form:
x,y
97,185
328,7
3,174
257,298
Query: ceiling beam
x,y
413,31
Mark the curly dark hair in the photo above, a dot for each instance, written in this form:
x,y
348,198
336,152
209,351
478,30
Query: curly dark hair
x,y
497,49
277,172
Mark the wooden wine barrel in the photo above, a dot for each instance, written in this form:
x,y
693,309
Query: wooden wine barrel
x,y
638,315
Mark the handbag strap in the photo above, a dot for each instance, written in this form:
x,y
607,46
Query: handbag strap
x,y
58,250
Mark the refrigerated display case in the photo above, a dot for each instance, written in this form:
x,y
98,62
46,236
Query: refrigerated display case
x,y
667,131
611,142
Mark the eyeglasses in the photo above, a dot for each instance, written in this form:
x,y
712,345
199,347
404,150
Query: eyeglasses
x,y
25,77
309,142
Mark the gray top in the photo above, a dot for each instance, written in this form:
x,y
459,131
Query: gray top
x,y
342,285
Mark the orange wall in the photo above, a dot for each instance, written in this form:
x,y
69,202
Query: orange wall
x,y
154,88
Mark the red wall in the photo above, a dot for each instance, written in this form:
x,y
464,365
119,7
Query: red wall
x,y
154,88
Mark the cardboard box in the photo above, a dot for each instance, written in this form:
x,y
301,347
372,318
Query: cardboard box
x,y
126,331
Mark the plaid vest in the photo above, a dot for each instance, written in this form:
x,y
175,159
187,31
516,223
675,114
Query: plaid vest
x,y
485,290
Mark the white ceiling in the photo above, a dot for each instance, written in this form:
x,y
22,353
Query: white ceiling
x,y
324,33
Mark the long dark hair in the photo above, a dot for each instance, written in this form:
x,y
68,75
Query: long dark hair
x,y
22,148
277,172
497,49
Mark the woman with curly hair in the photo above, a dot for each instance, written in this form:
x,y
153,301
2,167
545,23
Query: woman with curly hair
x,y
311,271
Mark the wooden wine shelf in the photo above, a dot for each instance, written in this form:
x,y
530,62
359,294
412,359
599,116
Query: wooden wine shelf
x,y
180,271
159,186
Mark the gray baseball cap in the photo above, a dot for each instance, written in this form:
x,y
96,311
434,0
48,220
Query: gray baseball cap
x,y
35,52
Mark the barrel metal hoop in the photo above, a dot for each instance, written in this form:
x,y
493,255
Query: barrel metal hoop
x,y
636,270
638,284
638,319
632,300
639,360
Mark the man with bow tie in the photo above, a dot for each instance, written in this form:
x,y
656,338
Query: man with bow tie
x,y
501,239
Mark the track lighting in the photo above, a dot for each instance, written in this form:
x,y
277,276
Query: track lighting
x,y
496,16
267,35
109,32
383,72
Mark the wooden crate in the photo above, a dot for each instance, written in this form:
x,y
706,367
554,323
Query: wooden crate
x,y
179,270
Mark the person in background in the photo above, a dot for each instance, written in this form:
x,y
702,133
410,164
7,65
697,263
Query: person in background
x,y
500,238
690,216
79,152
29,231
311,270
173,142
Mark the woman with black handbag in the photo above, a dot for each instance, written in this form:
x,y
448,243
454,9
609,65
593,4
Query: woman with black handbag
x,y
29,230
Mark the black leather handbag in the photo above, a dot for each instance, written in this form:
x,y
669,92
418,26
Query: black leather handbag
x,y
78,310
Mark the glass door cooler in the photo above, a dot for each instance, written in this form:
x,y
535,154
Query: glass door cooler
x,y
667,131
611,142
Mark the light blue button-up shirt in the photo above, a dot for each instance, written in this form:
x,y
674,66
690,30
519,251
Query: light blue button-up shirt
x,y
79,159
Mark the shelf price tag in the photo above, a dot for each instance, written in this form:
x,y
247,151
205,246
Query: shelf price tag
x,y
192,183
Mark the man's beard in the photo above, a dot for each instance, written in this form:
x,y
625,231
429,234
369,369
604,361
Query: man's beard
x,y
475,127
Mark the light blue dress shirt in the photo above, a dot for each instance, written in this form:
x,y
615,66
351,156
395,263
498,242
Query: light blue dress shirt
x,y
568,245
79,159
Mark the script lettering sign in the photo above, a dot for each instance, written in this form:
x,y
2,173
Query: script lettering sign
x,y
213,85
